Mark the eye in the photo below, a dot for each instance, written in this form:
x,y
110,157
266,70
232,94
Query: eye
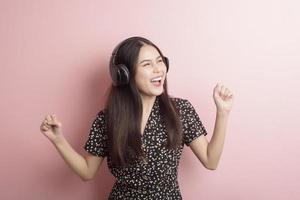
x,y
160,60
146,64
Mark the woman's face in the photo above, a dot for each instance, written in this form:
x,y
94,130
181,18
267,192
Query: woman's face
x,y
150,71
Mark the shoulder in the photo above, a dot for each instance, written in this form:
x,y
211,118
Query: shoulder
x,y
181,104
101,116
102,112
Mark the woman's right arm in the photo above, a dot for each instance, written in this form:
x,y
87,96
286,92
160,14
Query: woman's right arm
x,y
85,167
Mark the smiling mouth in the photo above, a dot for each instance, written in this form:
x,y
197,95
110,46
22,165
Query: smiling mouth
x,y
157,81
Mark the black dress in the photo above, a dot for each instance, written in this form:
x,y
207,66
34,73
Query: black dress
x,y
155,178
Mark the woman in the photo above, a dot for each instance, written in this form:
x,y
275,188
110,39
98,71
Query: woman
x,y
142,130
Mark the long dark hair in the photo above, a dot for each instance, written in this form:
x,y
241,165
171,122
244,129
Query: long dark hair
x,y
124,110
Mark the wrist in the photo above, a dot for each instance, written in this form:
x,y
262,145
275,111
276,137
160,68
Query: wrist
x,y
223,113
59,140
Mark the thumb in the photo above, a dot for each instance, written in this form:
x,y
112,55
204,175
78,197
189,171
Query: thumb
x,y
54,121
217,88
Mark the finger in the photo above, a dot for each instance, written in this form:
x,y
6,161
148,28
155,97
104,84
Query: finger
x,y
226,92
45,122
54,118
228,95
222,90
216,88
44,128
54,123
48,118
51,123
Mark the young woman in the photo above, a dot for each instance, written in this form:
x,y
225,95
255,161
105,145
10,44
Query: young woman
x,y
142,129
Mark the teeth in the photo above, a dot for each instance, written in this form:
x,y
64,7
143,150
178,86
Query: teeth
x,y
156,79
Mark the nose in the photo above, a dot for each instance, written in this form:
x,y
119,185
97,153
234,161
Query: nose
x,y
156,67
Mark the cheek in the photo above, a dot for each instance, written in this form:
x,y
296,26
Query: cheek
x,y
142,77
140,80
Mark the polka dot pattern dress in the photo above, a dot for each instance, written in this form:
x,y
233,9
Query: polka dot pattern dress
x,y
156,176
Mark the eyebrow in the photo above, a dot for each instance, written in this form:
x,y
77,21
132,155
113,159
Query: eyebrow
x,y
149,60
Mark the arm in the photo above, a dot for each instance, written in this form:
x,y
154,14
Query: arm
x,y
209,153
84,167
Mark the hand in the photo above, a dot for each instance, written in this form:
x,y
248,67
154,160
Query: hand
x,y
51,128
223,98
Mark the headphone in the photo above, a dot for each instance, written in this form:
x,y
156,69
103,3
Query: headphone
x,y
120,73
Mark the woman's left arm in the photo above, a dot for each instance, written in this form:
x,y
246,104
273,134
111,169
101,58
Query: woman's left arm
x,y
209,153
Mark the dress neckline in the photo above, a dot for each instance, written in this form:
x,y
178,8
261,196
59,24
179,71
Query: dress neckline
x,y
155,105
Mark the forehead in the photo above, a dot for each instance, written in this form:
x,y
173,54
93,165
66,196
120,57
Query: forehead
x,y
148,52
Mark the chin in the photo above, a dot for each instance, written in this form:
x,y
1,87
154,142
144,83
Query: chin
x,y
158,93
154,92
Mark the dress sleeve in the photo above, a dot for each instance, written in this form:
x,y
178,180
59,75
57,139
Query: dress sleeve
x,y
97,141
192,125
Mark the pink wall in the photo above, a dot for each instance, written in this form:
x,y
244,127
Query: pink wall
x,y
54,56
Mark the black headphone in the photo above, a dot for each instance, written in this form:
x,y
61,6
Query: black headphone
x,y
119,73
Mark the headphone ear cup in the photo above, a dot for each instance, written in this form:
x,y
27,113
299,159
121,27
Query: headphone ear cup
x,y
122,75
119,73
113,73
166,63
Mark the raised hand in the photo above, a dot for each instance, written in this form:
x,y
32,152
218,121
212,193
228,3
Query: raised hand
x,y
223,98
51,128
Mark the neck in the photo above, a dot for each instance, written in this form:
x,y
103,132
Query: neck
x,y
147,102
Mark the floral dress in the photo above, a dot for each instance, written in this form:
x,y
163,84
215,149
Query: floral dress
x,y
156,177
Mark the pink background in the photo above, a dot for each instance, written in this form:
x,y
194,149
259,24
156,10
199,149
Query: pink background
x,y
54,56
